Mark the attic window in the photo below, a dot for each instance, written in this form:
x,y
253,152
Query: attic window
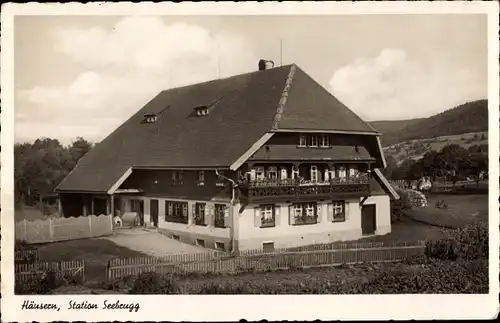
x,y
201,111
150,118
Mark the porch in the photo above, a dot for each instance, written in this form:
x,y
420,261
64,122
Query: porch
x,y
299,181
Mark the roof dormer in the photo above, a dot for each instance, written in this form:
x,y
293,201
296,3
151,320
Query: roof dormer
x,y
150,118
201,110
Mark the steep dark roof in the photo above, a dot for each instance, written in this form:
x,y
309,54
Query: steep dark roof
x,y
246,110
310,106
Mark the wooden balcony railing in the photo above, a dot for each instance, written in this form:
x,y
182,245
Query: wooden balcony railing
x,y
296,189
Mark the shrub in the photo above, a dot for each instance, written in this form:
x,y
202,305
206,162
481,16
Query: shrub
x,y
400,207
41,283
153,283
435,277
469,243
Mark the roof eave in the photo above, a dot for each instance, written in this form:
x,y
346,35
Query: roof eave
x,y
347,132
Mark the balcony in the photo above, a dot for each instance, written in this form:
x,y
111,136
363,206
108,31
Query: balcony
x,y
273,190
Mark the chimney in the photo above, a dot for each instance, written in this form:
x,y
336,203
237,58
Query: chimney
x,y
263,64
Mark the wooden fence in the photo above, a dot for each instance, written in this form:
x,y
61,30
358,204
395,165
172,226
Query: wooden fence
x,y
26,255
74,268
258,260
61,229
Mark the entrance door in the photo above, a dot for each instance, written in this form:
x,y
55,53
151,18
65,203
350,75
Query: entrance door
x,y
154,212
368,219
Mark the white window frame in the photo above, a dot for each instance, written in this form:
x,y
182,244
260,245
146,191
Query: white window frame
x,y
338,208
259,173
201,177
272,170
342,172
174,176
314,141
283,173
297,210
303,141
325,141
266,212
310,210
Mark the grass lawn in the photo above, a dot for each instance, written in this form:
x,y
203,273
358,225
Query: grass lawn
x,y
95,253
462,210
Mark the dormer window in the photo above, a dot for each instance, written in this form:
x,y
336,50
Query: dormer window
x,y
313,141
303,141
325,141
201,111
150,118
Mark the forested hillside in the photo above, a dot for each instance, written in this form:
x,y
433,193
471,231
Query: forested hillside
x,y
469,117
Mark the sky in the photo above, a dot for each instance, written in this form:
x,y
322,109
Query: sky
x,y
82,76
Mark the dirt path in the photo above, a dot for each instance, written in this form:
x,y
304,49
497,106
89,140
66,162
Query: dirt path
x,y
151,243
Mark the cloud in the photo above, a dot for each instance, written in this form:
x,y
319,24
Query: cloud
x,y
392,86
123,68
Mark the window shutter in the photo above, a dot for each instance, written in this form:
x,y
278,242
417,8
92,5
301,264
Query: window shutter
x,y
330,212
193,212
256,218
277,215
252,175
346,210
291,217
318,213
227,217
208,216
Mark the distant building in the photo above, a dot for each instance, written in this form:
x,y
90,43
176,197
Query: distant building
x,y
267,159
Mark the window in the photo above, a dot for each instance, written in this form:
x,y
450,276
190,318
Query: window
x,y
268,246
314,173
201,177
201,111
342,172
259,173
219,245
177,177
220,213
199,214
267,216
176,212
313,141
272,173
338,209
134,206
150,118
200,242
305,213
220,179
325,141
303,141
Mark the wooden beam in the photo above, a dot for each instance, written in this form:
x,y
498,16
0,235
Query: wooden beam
x,y
120,181
252,150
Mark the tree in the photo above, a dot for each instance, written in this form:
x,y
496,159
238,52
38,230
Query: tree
x,y
39,167
392,166
477,164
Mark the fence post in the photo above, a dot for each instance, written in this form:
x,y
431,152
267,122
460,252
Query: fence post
x,y
25,231
51,230
90,226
